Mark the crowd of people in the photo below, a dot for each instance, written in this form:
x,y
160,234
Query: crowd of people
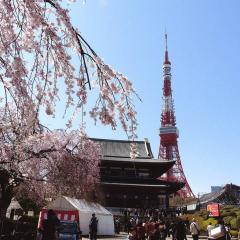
x,y
144,225
158,230
158,225
149,224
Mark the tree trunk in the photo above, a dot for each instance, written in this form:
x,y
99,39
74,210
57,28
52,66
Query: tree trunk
x,y
5,199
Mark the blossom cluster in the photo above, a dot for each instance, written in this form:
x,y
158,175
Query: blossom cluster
x,y
41,52
48,163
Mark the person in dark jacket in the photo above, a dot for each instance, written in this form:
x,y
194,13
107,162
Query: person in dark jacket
x,y
155,233
117,225
49,227
163,230
171,229
180,231
93,226
140,231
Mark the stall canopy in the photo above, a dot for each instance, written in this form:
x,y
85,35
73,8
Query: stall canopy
x,y
14,209
85,210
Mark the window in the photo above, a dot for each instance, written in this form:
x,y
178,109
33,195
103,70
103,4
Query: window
x,y
115,171
129,171
162,199
143,173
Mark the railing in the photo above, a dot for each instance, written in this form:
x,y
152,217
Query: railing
x,y
129,179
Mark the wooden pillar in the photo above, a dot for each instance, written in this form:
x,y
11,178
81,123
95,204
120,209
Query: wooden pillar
x,y
167,200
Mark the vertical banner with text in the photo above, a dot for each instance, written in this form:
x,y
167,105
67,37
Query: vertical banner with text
x,y
213,210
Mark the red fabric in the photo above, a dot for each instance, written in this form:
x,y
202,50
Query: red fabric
x,y
62,215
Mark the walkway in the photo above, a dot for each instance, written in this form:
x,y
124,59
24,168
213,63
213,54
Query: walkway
x,y
123,236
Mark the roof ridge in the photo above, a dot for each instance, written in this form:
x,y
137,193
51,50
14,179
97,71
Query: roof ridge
x,y
116,140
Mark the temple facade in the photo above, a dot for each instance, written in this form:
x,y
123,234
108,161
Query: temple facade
x,y
127,183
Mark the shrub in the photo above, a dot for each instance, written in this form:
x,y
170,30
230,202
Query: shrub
x,y
227,219
238,220
238,213
228,213
234,233
228,207
233,223
235,209
206,222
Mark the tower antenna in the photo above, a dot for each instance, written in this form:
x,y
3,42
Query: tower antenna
x,y
168,150
166,49
166,40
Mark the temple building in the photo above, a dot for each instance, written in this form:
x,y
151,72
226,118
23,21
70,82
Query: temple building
x,y
228,194
127,183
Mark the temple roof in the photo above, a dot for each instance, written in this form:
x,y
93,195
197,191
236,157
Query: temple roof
x,y
212,196
137,180
121,148
157,167
169,187
116,153
139,160
223,195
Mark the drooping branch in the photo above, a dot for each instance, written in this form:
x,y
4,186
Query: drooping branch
x,y
43,57
43,31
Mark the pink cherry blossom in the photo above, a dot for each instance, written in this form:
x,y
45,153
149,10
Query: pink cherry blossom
x,y
41,52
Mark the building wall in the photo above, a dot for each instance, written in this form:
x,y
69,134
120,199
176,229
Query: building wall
x,y
130,197
215,188
134,199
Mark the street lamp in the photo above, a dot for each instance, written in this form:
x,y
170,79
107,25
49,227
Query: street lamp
x,y
198,202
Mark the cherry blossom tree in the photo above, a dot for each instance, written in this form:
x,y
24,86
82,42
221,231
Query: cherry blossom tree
x,y
59,164
44,163
41,55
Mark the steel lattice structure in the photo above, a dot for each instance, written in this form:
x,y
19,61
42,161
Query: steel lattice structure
x,y
169,133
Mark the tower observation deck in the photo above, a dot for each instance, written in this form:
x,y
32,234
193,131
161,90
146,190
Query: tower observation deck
x,y
169,134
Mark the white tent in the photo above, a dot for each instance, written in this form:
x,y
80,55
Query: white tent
x,y
14,205
85,210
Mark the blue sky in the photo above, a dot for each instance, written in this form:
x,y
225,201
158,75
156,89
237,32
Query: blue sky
x,y
203,41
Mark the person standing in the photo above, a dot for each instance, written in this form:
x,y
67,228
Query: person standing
x,y
93,225
194,229
155,233
117,225
49,227
228,231
162,230
221,224
179,232
140,231
209,228
171,229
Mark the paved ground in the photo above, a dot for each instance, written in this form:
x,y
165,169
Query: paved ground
x,y
124,236
117,236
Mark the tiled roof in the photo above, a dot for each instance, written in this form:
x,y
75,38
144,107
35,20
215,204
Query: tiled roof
x,y
121,148
170,187
219,195
213,196
140,160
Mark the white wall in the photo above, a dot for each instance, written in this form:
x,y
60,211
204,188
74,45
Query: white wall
x,y
105,223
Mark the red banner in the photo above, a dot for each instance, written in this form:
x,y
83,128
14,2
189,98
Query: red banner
x,y
213,210
62,215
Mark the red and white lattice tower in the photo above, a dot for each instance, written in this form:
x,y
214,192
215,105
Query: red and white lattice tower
x,y
169,133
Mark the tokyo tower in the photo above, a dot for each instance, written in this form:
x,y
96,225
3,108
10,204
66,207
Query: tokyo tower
x,y
169,133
